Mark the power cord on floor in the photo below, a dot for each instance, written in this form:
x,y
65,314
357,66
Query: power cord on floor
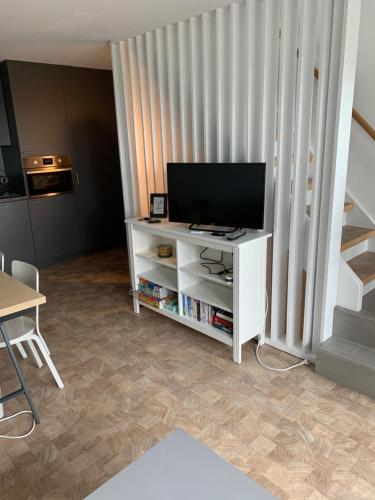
x,y
3,436
303,362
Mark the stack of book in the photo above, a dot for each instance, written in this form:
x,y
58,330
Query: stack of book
x,y
207,314
157,296
223,320
152,289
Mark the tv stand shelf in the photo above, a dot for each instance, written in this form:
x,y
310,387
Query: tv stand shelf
x,y
182,273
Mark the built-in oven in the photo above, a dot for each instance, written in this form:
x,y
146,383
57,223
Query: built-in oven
x,y
48,175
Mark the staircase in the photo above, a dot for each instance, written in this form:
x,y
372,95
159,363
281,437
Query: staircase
x,y
348,357
357,266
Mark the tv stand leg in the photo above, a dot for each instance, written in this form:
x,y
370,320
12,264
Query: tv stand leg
x,y
136,307
237,355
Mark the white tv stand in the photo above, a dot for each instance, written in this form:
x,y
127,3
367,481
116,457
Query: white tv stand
x,y
182,272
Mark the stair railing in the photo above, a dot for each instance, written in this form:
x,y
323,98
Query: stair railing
x,y
357,116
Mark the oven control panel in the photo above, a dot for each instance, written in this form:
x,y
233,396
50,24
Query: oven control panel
x,y
48,161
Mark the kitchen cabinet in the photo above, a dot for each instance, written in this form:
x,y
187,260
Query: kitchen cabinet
x,y
93,146
16,240
4,127
55,228
39,107
60,109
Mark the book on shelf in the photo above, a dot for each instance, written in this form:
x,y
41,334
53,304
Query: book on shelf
x,y
153,289
207,314
157,296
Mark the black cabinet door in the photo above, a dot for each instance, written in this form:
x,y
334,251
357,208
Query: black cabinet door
x,y
16,240
39,107
93,142
4,128
55,227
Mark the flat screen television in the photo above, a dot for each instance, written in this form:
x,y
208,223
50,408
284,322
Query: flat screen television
x,y
220,194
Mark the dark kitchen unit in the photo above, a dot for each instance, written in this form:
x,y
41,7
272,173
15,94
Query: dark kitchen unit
x,y
62,194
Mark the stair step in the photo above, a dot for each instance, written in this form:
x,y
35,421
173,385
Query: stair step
x,y
348,207
347,363
356,326
364,266
352,235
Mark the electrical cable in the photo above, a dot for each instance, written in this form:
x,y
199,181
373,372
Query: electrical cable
x,y
303,362
212,262
3,436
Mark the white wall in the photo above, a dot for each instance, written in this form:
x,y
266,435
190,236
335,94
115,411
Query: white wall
x,y
361,170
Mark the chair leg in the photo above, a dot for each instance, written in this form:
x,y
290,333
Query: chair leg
x,y
21,350
1,407
46,356
44,342
34,352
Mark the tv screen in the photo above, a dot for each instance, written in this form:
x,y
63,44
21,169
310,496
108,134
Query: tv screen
x,y
221,194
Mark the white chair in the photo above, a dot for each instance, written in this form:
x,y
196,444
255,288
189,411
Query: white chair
x,y
19,346
25,329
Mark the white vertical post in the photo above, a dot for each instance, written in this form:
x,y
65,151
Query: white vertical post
x,y
300,171
173,91
326,8
209,87
269,83
196,87
129,193
157,151
288,63
185,91
346,16
235,105
145,113
255,55
161,61
134,102
222,87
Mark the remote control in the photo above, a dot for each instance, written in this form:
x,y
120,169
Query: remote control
x,y
235,235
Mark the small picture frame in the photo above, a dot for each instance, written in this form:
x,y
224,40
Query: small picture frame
x,y
158,205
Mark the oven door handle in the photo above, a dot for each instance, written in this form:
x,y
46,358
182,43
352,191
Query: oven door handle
x,y
47,171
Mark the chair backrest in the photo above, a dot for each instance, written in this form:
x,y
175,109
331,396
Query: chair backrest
x,y
2,261
26,273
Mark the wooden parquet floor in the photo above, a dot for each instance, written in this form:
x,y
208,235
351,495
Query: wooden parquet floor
x,y
130,380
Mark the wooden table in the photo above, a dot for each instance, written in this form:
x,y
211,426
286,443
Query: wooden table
x,y
16,297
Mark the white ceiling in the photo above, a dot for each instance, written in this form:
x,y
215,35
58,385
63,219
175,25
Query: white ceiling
x,y
75,32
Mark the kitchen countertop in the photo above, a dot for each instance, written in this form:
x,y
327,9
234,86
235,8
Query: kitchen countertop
x,y
12,197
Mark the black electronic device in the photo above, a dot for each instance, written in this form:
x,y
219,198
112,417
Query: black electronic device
x,y
220,194
235,235
154,221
